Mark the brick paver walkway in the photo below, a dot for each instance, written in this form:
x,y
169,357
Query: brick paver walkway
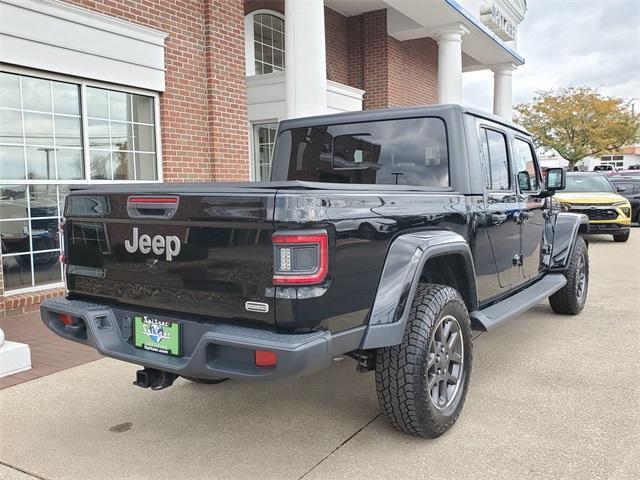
x,y
49,353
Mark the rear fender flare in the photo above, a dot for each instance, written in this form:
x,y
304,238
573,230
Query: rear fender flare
x,y
565,230
401,273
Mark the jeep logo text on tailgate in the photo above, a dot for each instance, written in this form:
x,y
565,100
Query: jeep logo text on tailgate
x,y
169,245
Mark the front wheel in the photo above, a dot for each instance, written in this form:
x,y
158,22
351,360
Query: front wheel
x,y
422,383
622,238
570,299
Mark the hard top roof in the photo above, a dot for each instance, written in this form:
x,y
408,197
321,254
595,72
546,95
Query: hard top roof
x,y
395,113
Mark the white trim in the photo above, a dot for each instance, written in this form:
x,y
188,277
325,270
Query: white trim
x,y
251,143
18,291
345,90
54,36
265,79
48,250
82,16
156,119
249,46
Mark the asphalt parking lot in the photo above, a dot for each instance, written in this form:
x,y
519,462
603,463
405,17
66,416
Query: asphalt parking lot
x,y
550,397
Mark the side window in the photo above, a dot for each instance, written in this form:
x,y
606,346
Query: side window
x,y
525,162
495,160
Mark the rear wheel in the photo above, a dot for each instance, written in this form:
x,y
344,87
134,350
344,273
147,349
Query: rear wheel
x,y
622,238
422,383
570,299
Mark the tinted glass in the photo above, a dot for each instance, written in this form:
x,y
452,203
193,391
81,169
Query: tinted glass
x,y
391,152
524,161
13,201
9,90
36,94
16,270
10,126
14,236
495,160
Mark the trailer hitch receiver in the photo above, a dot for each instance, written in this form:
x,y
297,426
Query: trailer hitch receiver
x,y
154,379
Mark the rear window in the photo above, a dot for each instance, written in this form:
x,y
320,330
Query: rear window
x,y
391,152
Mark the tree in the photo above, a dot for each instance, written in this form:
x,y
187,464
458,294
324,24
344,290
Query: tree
x,y
578,122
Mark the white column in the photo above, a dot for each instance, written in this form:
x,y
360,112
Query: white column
x,y
305,58
502,95
450,63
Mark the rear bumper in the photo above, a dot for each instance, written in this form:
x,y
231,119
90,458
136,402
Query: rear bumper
x,y
210,350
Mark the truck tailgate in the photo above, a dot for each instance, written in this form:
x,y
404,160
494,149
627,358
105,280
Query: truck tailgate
x,y
196,252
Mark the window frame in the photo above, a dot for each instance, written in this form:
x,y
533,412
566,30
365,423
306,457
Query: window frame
x,y
249,45
507,144
84,124
253,144
536,164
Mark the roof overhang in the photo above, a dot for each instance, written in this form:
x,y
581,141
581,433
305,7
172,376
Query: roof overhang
x,y
411,19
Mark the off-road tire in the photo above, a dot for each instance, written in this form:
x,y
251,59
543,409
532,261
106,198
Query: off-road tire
x,y
402,370
622,238
206,381
567,300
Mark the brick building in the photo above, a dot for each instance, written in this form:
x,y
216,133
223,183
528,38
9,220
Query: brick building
x,y
99,91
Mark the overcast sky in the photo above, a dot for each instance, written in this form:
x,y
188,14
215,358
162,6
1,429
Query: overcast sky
x,y
571,42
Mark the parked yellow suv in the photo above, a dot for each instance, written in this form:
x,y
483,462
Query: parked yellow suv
x,y
595,196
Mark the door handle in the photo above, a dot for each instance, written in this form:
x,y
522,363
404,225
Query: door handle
x,y
498,218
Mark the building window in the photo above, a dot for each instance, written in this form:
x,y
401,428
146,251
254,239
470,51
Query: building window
x,y
40,129
121,135
264,37
30,216
55,133
264,136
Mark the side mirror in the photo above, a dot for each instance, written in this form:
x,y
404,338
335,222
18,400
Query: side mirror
x,y
556,179
524,181
620,188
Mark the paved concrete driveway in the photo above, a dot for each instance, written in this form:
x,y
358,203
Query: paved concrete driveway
x,y
551,397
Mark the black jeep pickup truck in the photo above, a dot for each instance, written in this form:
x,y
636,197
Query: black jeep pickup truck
x,y
385,236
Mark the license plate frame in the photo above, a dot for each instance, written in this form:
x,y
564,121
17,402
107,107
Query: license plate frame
x,y
157,335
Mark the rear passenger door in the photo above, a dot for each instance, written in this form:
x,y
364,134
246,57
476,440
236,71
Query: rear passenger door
x,y
531,217
501,205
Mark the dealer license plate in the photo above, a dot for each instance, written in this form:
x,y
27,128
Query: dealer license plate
x,y
156,335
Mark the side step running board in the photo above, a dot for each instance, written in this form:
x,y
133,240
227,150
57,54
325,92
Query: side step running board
x,y
497,314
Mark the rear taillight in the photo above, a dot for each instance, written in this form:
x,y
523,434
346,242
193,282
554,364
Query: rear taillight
x,y
300,258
